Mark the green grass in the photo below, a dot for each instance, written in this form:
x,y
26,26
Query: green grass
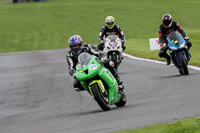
x,y
48,25
190,125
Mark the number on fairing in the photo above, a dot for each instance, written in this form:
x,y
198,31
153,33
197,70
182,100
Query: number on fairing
x,y
92,67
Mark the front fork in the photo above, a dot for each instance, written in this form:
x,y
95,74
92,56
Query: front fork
x,y
101,86
112,94
175,58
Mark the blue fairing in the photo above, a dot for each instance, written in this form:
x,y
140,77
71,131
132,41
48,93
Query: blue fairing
x,y
178,49
172,47
181,41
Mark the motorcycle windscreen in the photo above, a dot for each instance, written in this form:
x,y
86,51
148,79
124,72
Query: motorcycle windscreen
x,y
83,59
174,38
112,37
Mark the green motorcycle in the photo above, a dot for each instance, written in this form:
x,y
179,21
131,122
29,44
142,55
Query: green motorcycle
x,y
99,82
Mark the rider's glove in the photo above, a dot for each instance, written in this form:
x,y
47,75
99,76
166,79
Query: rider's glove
x,y
186,38
104,59
164,47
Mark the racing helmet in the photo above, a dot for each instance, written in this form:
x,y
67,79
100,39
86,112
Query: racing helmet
x,y
75,43
110,22
167,20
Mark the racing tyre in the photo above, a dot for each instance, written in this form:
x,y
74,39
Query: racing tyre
x,y
181,72
114,59
183,64
122,100
101,98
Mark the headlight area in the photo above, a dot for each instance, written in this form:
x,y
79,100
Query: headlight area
x,y
182,45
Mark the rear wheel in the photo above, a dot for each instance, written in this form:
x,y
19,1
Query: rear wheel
x,y
183,64
122,100
102,99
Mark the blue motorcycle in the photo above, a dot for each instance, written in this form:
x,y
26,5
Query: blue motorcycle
x,y
178,52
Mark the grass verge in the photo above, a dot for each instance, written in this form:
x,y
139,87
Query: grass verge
x,y
190,125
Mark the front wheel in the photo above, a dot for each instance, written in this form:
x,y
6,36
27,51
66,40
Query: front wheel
x,y
101,98
183,64
122,100
181,72
114,59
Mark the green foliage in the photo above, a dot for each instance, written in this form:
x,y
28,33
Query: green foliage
x,y
48,25
190,125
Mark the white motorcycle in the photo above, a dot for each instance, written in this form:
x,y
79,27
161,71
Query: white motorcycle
x,y
113,49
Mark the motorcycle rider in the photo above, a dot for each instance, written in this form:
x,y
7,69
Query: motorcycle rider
x,y
76,47
110,28
167,26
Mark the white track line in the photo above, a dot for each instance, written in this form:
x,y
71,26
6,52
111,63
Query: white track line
x,y
155,61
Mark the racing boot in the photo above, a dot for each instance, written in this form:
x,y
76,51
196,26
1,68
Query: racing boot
x,y
115,74
77,89
120,83
164,54
168,60
119,80
77,85
110,66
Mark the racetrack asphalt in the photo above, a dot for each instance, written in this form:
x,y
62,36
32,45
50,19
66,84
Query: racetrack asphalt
x,y
37,96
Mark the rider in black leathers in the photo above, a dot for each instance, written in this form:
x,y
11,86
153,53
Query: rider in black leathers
x,y
76,47
110,28
165,28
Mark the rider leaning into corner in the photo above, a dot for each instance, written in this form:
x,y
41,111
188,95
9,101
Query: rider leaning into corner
x,y
110,28
77,47
165,28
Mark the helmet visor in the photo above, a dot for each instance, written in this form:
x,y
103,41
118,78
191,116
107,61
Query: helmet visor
x,y
166,22
75,47
110,24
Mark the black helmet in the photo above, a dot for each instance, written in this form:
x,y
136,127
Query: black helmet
x,y
167,20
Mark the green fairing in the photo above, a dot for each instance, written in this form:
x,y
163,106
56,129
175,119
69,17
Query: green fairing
x,y
82,76
112,84
84,73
